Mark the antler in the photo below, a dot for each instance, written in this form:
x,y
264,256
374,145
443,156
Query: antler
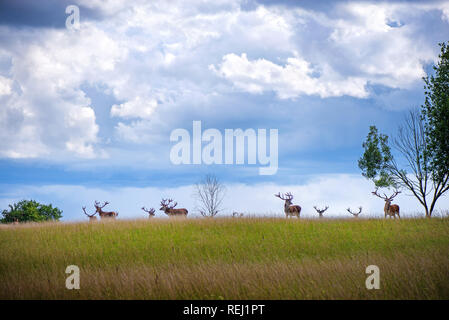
x,y
378,195
150,212
97,204
288,196
89,215
166,203
355,213
173,205
396,192
320,210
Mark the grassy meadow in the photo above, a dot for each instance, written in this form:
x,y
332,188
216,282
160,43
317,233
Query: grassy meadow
x,y
226,258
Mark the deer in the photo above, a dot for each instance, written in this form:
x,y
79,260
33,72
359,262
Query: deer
x,y
168,206
289,209
92,217
104,214
390,209
320,211
355,214
236,214
16,221
150,212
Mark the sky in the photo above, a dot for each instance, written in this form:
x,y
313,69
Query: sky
x,y
87,113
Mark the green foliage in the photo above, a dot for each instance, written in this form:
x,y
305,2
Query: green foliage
x,y
435,113
30,210
374,162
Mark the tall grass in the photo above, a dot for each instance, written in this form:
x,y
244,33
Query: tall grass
x,y
247,258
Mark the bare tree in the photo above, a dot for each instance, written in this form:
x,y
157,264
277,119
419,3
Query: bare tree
x,y
210,193
422,180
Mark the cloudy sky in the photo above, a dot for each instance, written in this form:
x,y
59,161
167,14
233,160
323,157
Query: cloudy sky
x,y
87,114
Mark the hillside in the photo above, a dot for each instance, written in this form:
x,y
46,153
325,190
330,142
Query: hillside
x,y
225,258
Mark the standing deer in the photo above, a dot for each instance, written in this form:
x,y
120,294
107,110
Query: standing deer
x,y
355,214
320,212
236,214
150,212
289,209
92,217
16,221
389,209
104,214
170,209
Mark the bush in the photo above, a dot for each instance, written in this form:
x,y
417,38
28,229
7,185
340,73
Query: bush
x,y
30,210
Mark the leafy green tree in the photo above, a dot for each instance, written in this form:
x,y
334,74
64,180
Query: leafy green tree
x,y
376,158
30,210
422,143
435,112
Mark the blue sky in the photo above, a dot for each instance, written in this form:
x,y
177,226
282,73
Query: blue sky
x,y
87,114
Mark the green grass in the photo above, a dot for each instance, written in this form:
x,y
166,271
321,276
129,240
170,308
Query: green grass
x,y
250,258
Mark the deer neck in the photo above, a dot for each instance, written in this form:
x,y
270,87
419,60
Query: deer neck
x,y
387,206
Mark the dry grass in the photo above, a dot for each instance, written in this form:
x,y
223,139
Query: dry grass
x,y
255,258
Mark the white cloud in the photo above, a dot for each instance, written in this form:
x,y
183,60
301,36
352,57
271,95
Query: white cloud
x,y
162,54
289,81
5,86
136,108
50,113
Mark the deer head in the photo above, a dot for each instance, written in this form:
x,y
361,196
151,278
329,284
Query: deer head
x,y
385,197
150,212
288,197
320,211
98,207
355,214
167,204
91,216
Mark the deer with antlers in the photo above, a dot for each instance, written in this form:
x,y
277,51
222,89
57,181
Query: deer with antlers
x,y
168,206
104,214
289,209
150,212
320,211
92,217
355,214
390,209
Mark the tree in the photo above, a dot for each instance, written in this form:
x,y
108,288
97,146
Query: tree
x,y
375,159
435,114
422,141
209,193
30,210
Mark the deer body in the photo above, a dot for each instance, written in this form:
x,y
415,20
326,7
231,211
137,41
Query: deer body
x,y
391,209
170,209
289,209
104,214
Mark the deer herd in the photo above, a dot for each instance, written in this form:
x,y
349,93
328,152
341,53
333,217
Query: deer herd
x,y
290,210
